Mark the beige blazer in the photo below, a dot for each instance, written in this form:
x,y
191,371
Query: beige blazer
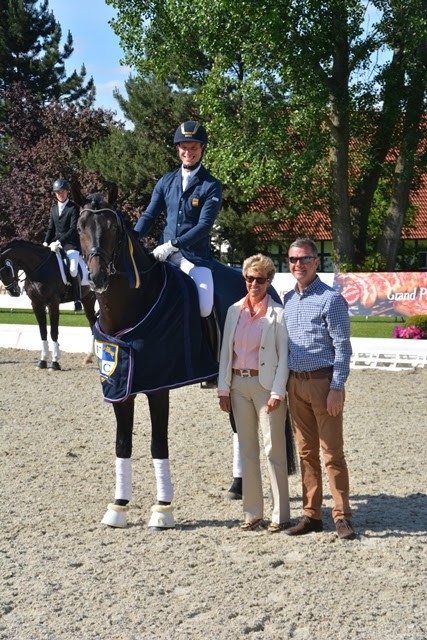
x,y
273,351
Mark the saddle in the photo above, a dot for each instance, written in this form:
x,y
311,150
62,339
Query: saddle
x,y
64,268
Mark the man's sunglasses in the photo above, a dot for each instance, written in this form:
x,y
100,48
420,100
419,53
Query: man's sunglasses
x,y
251,279
302,259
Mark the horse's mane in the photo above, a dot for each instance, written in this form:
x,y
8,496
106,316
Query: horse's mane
x,y
20,243
98,201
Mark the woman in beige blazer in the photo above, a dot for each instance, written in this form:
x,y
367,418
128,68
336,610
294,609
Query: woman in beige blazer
x,y
253,372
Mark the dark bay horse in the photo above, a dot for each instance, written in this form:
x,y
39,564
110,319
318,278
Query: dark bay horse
x,y
45,288
152,305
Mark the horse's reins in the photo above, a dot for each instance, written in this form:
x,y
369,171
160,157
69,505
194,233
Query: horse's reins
x,y
8,264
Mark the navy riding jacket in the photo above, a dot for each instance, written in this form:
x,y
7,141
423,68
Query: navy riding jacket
x,y
190,215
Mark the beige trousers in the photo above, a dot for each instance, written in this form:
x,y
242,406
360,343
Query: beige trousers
x,y
249,402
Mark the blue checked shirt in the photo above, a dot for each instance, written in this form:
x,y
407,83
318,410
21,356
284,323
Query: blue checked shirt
x,y
319,331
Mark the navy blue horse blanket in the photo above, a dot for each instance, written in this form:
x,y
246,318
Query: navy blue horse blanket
x,y
165,350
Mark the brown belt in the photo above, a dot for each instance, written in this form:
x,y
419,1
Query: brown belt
x,y
246,373
307,375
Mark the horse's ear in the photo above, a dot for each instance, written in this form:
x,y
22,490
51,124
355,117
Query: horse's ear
x,y
76,193
113,193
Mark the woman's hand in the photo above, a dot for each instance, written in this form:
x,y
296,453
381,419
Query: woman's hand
x,y
272,404
225,403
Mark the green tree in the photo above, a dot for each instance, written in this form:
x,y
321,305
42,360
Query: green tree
x,y
134,159
319,101
30,54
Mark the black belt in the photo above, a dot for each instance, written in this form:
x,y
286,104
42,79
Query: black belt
x,y
308,375
246,373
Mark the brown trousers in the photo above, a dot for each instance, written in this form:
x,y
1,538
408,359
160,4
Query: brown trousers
x,y
315,429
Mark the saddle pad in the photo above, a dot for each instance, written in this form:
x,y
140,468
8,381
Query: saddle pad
x,y
165,350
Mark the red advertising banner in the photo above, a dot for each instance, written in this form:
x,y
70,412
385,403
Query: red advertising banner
x,y
384,294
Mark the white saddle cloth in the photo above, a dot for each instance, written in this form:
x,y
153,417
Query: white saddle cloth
x,y
82,265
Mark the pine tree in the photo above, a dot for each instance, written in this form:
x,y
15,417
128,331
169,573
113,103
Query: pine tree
x,y
30,54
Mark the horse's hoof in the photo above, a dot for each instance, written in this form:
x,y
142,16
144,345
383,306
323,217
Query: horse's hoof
x,y
55,366
88,359
161,517
235,491
42,364
116,516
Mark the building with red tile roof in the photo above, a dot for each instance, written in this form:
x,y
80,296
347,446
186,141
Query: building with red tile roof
x,y
317,226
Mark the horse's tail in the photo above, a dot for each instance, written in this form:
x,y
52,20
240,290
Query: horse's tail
x,y
290,445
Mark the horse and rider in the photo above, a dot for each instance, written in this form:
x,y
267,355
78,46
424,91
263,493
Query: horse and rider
x,y
190,198
62,234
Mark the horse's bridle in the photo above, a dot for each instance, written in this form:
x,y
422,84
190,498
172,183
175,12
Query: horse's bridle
x,y
8,264
99,252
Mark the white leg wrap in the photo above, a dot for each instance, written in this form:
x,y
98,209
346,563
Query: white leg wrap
x,y
237,462
162,517
56,354
115,516
45,350
163,480
123,479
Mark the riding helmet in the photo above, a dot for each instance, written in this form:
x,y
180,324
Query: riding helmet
x,y
60,185
190,131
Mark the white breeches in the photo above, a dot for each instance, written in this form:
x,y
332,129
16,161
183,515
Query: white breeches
x,y
75,260
202,277
73,257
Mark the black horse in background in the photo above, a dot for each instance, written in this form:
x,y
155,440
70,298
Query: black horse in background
x,y
46,290
153,306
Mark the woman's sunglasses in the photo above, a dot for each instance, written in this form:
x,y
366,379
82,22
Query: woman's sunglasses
x,y
251,279
302,259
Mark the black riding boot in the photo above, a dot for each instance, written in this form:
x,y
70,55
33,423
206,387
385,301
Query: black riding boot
x,y
76,290
211,331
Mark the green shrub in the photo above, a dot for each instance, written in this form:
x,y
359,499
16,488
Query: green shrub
x,y
418,321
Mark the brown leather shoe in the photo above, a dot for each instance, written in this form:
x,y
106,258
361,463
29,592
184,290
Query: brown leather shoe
x,y
305,525
344,529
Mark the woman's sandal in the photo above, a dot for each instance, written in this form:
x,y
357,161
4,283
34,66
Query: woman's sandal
x,y
257,524
275,527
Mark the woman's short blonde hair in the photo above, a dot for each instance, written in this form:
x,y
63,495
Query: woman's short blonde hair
x,y
260,263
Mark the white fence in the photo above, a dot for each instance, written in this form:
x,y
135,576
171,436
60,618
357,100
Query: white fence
x,y
394,354
368,353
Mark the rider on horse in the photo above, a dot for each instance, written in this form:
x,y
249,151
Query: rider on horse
x,y
190,198
62,232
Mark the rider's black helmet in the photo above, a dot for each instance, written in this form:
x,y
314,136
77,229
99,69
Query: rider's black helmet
x,y
191,131
60,185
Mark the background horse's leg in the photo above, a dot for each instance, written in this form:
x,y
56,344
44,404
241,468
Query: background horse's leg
x,y
116,515
290,444
162,512
235,492
39,311
53,308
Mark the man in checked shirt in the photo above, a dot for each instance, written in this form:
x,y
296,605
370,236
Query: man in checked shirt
x,y
319,362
